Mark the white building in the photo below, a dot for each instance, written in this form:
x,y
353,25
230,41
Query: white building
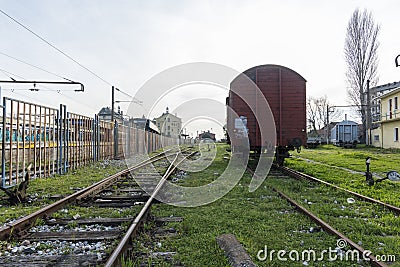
x,y
169,124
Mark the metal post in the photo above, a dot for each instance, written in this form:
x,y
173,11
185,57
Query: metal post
x,y
60,139
94,141
128,142
66,143
115,139
327,124
3,148
112,103
368,175
368,120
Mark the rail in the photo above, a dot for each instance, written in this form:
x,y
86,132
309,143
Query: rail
x,y
300,175
115,257
20,224
374,262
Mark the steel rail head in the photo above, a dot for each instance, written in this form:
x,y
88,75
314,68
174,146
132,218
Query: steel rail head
x,y
118,252
115,177
300,175
330,229
323,224
16,226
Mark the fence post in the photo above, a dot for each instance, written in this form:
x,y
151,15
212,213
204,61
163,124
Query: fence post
x,y
60,139
94,138
128,142
115,139
66,140
3,147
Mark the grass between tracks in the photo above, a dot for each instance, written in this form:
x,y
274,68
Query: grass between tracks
x,y
382,161
262,220
41,190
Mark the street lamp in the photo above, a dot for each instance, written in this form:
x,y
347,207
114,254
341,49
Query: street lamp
x,y
397,60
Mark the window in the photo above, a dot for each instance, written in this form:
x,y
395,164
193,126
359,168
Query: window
x,y
395,102
170,119
396,134
376,137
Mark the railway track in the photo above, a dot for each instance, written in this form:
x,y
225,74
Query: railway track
x,y
351,210
57,236
299,175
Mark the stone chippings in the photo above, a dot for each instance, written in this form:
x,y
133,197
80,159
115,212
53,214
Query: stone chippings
x,y
27,248
33,249
52,248
66,228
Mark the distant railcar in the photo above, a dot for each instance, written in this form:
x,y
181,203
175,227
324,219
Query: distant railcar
x,y
285,91
345,134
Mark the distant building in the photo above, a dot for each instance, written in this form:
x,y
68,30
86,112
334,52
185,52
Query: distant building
x,y
324,132
387,134
169,124
207,135
105,115
145,124
376,94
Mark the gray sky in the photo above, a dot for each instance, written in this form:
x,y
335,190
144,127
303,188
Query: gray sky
x,y
127,42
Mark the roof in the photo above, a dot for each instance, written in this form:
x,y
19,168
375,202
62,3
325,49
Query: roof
x,y
107,111
169,115
248,71
147,124
384,87
347,123
394,91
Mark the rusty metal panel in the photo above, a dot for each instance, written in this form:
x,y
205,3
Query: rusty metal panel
x,y
285,91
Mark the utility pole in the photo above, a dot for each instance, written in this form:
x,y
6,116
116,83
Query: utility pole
x,y
327,124
368,120
112,103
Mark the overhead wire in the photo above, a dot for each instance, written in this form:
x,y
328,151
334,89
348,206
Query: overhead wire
x,y
54,47
6,73
31,65
60,51
38,89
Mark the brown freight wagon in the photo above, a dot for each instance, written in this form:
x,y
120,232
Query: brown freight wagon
x,y
285,91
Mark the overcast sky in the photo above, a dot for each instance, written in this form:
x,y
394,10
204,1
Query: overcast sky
x,y
125,43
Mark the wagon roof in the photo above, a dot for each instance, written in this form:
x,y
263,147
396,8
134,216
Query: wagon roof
x,y
272,66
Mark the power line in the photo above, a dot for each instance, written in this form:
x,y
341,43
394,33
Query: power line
x,y
38,89
119,90
39,68
7,73
54,47
60,51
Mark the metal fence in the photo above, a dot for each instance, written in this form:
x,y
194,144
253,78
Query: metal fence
x,y
56,141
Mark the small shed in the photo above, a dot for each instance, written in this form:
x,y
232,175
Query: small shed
x,y
345,134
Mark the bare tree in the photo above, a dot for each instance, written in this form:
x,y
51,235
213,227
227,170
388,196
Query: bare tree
x,y
317,116
312,114
361,57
